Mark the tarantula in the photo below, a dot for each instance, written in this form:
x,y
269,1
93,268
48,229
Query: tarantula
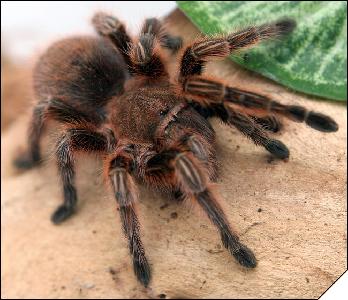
x,y
114,96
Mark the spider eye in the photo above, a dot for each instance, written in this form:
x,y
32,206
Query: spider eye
x,y
164,112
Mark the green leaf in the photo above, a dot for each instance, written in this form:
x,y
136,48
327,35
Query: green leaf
x,y
313,59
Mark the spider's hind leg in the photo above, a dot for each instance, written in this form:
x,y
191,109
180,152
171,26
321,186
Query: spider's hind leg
x,y
55,109
32,157
75,139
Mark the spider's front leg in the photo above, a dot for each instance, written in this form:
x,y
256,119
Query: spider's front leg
x,y
73,140
110,27
223,101
255,132
208,91
155,26
248,125
142,56
119,168
190,178
147,59
199,52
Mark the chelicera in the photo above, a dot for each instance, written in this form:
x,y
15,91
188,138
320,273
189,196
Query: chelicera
x,y
114,96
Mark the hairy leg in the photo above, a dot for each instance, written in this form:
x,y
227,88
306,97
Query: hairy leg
x,y
154,26
33,156
241,121
73,140
196,184
208,92
110,27
196,55
255,132
126,196
270,123
146,58
54,109
191,181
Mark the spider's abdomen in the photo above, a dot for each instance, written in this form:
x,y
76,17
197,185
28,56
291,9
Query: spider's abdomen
x,y
85,71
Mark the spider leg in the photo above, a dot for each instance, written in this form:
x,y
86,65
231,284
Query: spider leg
x,y
269,123
65,113
212,92
51,109
255,132
73,140
197,54
146,58
198,146
126,195
192,182
154,166
140,58
110,27
154,26
33,157
241,121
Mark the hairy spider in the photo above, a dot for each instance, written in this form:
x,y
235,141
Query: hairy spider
x,y
115,97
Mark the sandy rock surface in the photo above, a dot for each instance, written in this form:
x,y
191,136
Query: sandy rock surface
x,y
292,214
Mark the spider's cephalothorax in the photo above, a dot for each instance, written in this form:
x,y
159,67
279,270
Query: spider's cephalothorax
x,y
115,97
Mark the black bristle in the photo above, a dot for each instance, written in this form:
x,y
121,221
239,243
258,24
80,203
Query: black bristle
x,y
321,122
142,270
25,163
245,257
297,113
286,25
61,214
172,42
278,149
